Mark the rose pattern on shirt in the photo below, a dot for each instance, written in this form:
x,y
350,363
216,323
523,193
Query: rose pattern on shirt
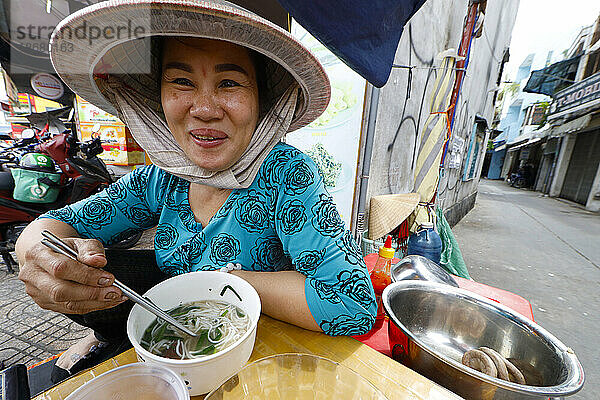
x,y
269,178
351,250
117,192
267,254
308,261
166,236
186,215
138,184
325,291
172,267
228,205
326,219
64,214
171,201
224,248
140,215
348,325
196,246
97,212
298,178
251,212
355,285
292,216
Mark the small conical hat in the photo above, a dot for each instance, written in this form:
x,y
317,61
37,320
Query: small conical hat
x,y
388,211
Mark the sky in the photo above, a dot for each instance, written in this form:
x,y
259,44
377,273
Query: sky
x,y
544,25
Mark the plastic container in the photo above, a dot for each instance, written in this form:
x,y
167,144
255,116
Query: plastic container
x,y
138,381
380,276
425,242
201,375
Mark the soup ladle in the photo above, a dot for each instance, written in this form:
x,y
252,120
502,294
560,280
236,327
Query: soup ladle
x,y
55,243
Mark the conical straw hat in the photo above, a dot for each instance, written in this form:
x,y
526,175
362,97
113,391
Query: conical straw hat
x,y
388,211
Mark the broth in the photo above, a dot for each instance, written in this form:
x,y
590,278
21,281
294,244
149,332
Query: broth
x,y
219,325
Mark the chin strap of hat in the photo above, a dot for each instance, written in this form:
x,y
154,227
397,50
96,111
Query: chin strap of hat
x,y
151,132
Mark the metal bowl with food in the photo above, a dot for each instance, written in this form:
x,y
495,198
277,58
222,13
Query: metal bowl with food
x,y
433,325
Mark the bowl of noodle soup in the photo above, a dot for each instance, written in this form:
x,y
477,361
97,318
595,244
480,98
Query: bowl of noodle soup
x,y
222,308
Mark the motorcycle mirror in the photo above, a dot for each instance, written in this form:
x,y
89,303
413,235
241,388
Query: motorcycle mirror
x,y
96,128
27,133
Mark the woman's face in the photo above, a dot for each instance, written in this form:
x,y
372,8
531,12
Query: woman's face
x,y
209,96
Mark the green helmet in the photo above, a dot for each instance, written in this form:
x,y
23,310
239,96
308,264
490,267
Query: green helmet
x,y
38,162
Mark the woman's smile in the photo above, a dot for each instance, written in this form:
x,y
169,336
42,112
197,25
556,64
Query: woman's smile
x,y
208,138
209,96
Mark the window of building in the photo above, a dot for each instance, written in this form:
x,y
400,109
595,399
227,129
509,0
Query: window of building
x,y
476,149
593,64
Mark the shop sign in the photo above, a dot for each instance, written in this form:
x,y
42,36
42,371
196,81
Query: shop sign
x,y
47,86
581,92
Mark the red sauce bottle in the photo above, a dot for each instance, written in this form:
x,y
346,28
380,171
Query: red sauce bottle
x,y
380,276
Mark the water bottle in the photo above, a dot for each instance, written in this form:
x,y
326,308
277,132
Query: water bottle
x,y
425,242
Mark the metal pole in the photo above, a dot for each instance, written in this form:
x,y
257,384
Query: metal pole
x,y
373,95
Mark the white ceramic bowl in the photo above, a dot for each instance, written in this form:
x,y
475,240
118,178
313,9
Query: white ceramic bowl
x,y
138,381
203,374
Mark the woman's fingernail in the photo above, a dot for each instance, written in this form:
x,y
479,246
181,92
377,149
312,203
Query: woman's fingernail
x,y
103,281
111,296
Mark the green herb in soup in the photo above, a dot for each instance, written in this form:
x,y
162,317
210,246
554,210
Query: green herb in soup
x,y
218,324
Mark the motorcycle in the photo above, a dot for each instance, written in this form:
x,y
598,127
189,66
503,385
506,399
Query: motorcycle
x,y
523,178
82,174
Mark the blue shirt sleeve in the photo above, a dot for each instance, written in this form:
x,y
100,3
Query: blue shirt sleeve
x,y
338,289
129,205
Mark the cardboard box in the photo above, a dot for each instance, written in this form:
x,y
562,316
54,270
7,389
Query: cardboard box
x,y
119,146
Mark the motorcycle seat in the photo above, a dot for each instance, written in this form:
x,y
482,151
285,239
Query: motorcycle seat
x,y
6,181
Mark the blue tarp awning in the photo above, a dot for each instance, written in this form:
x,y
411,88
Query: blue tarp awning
x,y
364,35
553,78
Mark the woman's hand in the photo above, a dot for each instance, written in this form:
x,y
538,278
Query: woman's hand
x,y
56,282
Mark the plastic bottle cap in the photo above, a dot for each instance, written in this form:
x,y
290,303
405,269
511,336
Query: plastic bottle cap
x,y
386,250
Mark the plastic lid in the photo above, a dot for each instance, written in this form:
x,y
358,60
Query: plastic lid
x,y
386,250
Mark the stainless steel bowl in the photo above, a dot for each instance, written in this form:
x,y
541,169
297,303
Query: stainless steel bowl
x,y
417,267
432,325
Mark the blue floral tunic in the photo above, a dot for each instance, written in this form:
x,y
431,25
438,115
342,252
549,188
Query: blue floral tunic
x,y
285,220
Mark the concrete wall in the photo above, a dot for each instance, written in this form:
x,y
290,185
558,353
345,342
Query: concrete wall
x,y
400,117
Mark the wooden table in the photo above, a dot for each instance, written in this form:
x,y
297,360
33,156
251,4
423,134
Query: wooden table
x,y
274,337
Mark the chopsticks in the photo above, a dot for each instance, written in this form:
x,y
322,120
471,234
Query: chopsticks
x,y
55,243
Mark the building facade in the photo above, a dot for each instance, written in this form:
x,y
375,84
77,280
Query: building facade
x,y
404,105
573,131
518,112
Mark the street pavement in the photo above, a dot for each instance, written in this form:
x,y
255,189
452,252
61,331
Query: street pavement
x,y
546,250
28,334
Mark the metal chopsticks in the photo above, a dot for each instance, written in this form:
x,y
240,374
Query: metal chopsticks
x,y
55,243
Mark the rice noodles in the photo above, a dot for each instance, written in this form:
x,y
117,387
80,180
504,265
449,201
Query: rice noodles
x,y
219,325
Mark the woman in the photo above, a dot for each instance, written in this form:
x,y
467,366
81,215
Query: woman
x,y
223,190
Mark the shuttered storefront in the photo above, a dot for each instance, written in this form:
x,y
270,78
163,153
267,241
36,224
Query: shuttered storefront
x,y
582,167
